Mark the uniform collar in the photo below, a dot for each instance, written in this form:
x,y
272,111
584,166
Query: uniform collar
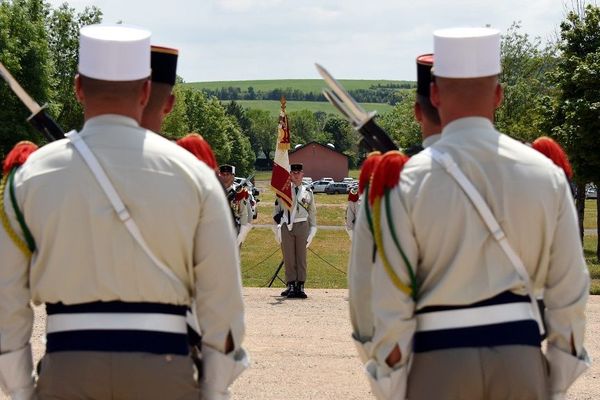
x,y
431,139
468,124
112,119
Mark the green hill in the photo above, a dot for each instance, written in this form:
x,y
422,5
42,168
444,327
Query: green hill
x,y
274,106
305,85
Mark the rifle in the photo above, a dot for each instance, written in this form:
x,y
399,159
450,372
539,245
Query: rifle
x,y
39,118
373,135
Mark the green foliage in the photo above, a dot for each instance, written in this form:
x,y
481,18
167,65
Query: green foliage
x,y
207,117
303,127
263,131
176,124
242,155
577,107
525,66
401,125
63,26
273,106
24,52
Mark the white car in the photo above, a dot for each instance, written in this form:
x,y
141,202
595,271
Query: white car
x,y
319,186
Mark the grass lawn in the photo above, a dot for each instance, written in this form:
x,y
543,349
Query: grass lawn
x,y
305,85
327,259
589,215
261,254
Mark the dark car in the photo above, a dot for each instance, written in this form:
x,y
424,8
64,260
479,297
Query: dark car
x,y
337,188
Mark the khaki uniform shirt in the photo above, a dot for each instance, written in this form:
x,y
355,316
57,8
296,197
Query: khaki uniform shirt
x,y
85,253
303,208
352,214
456,259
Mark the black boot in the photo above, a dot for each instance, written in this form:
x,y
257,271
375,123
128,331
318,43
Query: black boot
x,y
293,291
290,288
300,290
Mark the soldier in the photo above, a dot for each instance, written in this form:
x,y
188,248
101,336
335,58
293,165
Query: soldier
x,y
470,322
238,198
352,209
295,231
163,61
425,113
117,266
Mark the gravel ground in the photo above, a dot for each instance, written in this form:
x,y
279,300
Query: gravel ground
x,y
301,349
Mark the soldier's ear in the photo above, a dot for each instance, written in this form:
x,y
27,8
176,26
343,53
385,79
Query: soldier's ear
x,y
78,90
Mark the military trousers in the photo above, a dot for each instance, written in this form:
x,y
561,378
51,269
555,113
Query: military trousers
x,y
116,375
513,372
293,244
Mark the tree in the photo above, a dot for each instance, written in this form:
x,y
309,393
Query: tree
x,y
207,117
342,134
263,132
24,52
242,155
63,27
525,66
176,124
577,107
400,123
303,127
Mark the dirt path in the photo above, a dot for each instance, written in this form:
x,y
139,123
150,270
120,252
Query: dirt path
x,y
301,349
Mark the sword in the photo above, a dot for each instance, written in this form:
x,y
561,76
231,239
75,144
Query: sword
x,y
373,135
38,118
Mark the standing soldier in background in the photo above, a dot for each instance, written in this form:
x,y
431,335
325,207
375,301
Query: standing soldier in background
x,y
425,113
352,209
478,243
116,310
296,229
238,198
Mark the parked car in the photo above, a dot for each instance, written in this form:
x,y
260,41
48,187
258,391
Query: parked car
x,y
307,181
337,188
327,179
319,186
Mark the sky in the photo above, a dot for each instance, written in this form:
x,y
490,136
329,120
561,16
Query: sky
x,y
221,40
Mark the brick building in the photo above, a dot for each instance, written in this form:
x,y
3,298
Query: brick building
x,y
320,161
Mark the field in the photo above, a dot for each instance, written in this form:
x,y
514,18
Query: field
x,y
305,85
273,106
328,256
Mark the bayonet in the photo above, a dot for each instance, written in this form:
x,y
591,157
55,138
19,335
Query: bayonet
x,y
38,118
361,120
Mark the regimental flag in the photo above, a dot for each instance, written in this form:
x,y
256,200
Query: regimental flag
x,y
280,178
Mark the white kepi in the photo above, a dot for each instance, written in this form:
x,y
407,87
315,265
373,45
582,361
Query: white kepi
x,y
466,52
114,52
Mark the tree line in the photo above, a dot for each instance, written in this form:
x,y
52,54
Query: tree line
x,y
391,93
550,88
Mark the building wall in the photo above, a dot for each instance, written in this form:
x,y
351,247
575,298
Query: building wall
x,y
320,162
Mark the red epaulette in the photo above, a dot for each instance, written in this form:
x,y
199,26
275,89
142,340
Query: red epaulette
x,y
353,195
241,194
18,155
386,174
367,169
198,146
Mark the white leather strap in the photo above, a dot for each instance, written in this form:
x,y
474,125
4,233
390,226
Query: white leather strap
x,y
484,211
477,316
155,322
117,203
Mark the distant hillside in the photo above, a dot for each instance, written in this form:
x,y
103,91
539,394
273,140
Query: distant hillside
x,y
273,106
305,85
363,91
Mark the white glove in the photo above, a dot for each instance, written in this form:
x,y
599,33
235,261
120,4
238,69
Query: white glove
x,y
16,370
244,229
277,233
220,370
349,231
311,235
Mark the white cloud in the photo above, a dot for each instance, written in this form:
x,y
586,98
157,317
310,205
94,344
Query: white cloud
x,y
362,39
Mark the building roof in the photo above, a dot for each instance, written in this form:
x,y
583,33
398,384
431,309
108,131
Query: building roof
x,y
319,144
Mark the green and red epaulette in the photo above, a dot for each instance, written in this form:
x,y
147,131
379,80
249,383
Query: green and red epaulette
x,y
385,177
15,158
353,195
366,170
